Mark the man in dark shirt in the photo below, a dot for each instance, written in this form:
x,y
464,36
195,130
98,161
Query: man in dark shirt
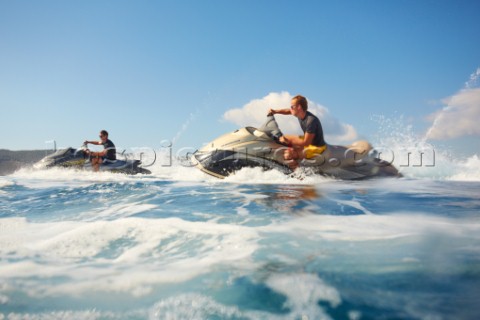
x,y
312,142
108,155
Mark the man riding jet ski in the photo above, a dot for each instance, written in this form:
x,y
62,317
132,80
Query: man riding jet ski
x,y
268,148
85,159
312,140
107,156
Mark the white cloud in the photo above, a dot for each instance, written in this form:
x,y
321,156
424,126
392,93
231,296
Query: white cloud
x,y
460,116
254,113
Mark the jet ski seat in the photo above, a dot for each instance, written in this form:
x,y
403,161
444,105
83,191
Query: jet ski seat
x,y
360,146
336,155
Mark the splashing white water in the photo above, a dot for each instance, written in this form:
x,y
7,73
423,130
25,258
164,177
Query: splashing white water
x,y
185,126
415,157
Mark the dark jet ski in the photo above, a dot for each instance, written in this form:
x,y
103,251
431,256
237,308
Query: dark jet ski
x,y
252,147
78,159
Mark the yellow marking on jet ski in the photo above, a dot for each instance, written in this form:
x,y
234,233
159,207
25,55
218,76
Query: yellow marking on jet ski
x,y
312,151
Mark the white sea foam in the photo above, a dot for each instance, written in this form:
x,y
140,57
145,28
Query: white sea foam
x,y
372,227
354,204
304,291
5,183
468,170
154,251
179,172
57,177
259,176
197,306
115,211
95,255
92,314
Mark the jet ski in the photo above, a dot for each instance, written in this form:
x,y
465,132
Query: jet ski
x,y
78,159
252,147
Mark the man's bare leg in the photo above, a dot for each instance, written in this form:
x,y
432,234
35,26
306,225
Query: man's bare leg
x,y
96,164
291,155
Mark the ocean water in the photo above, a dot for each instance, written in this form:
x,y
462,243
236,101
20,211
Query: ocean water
x,y
179,244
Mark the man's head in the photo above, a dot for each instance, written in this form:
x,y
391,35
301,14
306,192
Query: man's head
x,y
300,101
299,106
104,135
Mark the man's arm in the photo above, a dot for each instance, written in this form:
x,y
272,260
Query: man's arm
x,y
95,154
93,142
280,111
297,141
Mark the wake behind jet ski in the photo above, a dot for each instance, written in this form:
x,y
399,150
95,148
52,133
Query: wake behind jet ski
x,y
79,159
252,147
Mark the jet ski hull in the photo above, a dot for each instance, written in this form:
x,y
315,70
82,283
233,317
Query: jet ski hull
x,y
222,163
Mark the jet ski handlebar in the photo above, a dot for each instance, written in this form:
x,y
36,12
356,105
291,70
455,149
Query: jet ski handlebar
x,y
271,129
83,148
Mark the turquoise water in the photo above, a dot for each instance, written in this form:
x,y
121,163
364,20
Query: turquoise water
x,y
182,245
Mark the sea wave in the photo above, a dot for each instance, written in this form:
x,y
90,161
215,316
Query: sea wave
x,y
180,244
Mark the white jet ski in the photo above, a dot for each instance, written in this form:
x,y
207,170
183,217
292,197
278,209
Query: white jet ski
x,y
252,147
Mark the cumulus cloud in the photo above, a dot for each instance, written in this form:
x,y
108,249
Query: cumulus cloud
x,y
460,116
254,113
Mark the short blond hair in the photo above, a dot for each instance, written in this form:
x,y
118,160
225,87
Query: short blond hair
x,y
302,101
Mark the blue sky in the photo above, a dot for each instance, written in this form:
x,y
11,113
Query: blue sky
x,y
149,71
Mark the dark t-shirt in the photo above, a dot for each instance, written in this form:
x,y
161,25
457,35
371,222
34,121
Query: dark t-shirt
x,y
111,151
311,124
